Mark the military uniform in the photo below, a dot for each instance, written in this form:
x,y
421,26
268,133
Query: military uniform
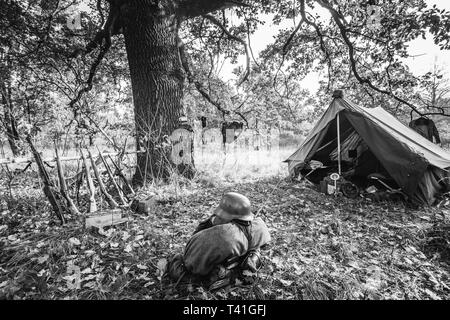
x,y
228,240
426,128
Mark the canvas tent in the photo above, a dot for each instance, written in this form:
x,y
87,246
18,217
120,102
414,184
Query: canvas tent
x,y
378,142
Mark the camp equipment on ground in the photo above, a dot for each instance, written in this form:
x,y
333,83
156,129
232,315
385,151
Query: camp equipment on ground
x,y
335,177
350,190
329,186
391,191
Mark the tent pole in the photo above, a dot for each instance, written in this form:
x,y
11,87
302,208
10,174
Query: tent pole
x,y
339,142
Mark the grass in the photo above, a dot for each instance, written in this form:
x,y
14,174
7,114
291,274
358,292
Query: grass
x,y
241,164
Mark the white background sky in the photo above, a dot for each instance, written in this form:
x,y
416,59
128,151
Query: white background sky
x,y
425,51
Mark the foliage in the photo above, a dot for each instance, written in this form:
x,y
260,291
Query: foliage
x,y
365,61
40,77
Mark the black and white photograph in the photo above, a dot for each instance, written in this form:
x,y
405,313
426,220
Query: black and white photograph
x,y
219,156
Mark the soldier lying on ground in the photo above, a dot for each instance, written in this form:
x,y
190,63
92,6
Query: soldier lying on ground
x,y
224,245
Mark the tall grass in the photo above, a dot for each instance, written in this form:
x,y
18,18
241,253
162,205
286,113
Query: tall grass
x,y
235,163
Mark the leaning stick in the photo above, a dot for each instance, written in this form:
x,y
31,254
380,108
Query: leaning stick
x,y
49,189
77,176
90,184
78,181
111,177
119,171
63,185
112,203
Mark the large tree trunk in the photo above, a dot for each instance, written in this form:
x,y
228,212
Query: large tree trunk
x,y
157,82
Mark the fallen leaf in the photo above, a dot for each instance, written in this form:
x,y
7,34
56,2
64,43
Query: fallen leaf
x,y
142,267
41,273
162,264
114,245
89,253
90,277
41,244
43,259
90,285
107,233
87,270
286,283
277,261
432,295
125,236
75,241
248,273
408,261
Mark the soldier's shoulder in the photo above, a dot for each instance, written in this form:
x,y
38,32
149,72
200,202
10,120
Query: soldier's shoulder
x,y
258,221
220,232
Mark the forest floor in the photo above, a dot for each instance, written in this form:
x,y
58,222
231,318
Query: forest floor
x,y
322,247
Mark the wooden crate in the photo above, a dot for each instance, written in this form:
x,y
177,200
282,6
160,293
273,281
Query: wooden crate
x,y
106,218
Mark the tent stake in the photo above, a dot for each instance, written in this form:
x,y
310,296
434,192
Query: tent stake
x,y
339,142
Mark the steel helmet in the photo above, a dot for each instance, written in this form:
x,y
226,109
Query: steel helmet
x,y
234,205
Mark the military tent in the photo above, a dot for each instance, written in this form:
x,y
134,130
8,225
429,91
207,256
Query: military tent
x,y
372,140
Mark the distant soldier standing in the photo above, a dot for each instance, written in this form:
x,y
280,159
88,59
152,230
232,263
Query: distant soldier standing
x,y
426,128
183,148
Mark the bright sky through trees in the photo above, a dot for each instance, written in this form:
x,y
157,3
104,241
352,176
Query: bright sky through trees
x,y
423,53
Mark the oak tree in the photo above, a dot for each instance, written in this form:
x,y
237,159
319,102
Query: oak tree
x,y
359,44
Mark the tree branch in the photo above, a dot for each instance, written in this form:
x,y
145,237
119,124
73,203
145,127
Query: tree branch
x,y
185,63
235,38
194,8
102,39
351,52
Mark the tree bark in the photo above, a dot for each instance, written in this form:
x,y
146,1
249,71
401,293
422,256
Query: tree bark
x,y
157,82
10,122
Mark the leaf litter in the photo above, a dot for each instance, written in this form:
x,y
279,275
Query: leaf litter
x,y
322,248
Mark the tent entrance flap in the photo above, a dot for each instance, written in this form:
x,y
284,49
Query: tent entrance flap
x,y
366,149
328,143
403,165
327,149
356,160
